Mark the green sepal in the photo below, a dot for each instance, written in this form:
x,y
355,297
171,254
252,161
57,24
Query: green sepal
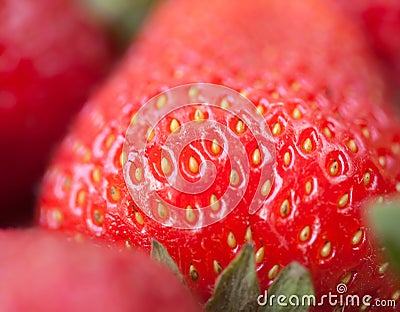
x,y
295,287
160,254
237,287
385,221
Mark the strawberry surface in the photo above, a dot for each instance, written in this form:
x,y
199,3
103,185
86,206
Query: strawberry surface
x,y
305,69
51,55
53,274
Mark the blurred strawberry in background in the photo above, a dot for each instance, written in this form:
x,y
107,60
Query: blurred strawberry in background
x,y
380,20
52,53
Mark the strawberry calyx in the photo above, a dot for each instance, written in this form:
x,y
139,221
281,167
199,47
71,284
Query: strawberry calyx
x,y
237,287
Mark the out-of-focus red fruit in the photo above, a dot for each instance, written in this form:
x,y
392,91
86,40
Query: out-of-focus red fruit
x,y
51,55
44,272
381,22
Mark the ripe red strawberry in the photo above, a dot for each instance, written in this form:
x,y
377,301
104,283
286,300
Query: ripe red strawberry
x,y
51,55
318,88
44,272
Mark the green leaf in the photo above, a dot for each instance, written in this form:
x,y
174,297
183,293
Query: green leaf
x,y
160,254
385,219
294,288
237,288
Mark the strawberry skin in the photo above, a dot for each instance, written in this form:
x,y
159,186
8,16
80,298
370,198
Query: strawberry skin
x,y
321,93
52,54
66,275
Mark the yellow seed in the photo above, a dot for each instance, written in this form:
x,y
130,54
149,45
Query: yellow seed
x,y
382,269
198,115
327,132
96,175
266,188
87,155
149,134
193,165
165,166
234,178
296,86
214,203
275,95
333,168
256,157
161,101
162,211
98,217
193,92
178,73
382,160
134,119
260,254
352,145
285,208
356,239
139,217
343,200
296,114
276,129
128,245
57,217
308,187
273,272
190,214
260,110
174,125
305,233
114,193
194,275
249,235
346,278
244,93
365,133
240,127
225,103
286,158
398,187
109,141
396,295
307,145
122,159
367,178
217,267
396,148
231,240
138,174
81,197
326,250
215,147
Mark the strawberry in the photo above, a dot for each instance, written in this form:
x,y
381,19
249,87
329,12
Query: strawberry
x,y
142,164
72,276
380,21
52,54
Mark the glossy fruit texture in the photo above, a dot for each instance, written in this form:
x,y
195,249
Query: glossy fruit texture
x,y
307,71
51,55
43,271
